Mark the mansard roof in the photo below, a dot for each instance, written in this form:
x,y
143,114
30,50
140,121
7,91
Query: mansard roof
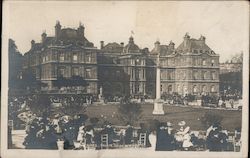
x,y
113,47
195,46
164,50
131,47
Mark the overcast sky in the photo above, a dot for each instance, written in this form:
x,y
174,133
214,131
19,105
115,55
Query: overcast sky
x,y
224,24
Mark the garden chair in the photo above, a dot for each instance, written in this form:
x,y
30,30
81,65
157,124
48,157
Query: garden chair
x,y
237,141
231,142
142,140
104,141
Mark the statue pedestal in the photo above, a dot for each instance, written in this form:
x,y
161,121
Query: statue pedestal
x,y
158,108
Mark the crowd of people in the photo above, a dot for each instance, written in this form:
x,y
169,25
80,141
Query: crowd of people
x,y
80,133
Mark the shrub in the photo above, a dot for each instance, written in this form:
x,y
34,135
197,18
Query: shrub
x,y
129,112
210,118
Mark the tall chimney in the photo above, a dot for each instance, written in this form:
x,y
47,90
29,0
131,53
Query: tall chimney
x,y
186,39
44,36
203,38
157,46
102,44
171,45
32,43
122,44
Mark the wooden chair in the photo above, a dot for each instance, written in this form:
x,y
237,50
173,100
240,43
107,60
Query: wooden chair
x,y
237,141
104,141
231,140
142,140
11,124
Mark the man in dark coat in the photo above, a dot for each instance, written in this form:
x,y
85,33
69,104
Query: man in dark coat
x,y
143,129
214,139
110,131
169,144
161,138
128,135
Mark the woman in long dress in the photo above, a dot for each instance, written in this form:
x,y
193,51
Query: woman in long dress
x,y
152,140
81,137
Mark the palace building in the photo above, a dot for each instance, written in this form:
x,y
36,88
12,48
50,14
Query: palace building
x,y
123,69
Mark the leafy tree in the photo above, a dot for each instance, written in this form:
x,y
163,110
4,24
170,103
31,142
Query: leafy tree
x,y
15,66
210,118
29,80
70,82
40,105
129,112
72,107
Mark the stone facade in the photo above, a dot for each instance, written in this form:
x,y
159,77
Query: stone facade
x,y
67,54
119,69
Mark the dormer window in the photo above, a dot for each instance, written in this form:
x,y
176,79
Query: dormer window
x,y
212,62
88,57
195,51
201,51
203,62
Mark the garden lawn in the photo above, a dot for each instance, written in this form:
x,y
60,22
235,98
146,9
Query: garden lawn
x,y
174,114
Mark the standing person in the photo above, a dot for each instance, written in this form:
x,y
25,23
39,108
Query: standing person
x,y
152,139
110,131
81,134
128,135
214,139
161,138
89,134
170,137
187,144
179,136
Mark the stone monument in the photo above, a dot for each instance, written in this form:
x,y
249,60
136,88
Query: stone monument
x,y
158,103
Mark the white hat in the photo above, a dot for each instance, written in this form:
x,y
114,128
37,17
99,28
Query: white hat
x,y
182,123
169,124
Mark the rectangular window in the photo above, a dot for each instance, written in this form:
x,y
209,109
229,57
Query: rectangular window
x,y
61,72
61,57
88,73
143,73
75,71
213,75
132,73
74,57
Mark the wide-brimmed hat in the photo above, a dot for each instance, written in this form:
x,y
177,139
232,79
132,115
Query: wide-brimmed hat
x,y
186,130
108,125
182,123
57,115
169,124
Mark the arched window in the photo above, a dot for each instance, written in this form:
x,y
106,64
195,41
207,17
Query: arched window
x,y
179,89
212,88
203,75
61,57
74,57
203,88
195,75
195,89
213,76
185,90
170,88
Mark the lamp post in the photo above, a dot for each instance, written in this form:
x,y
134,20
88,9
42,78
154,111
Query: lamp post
x,y
158,103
